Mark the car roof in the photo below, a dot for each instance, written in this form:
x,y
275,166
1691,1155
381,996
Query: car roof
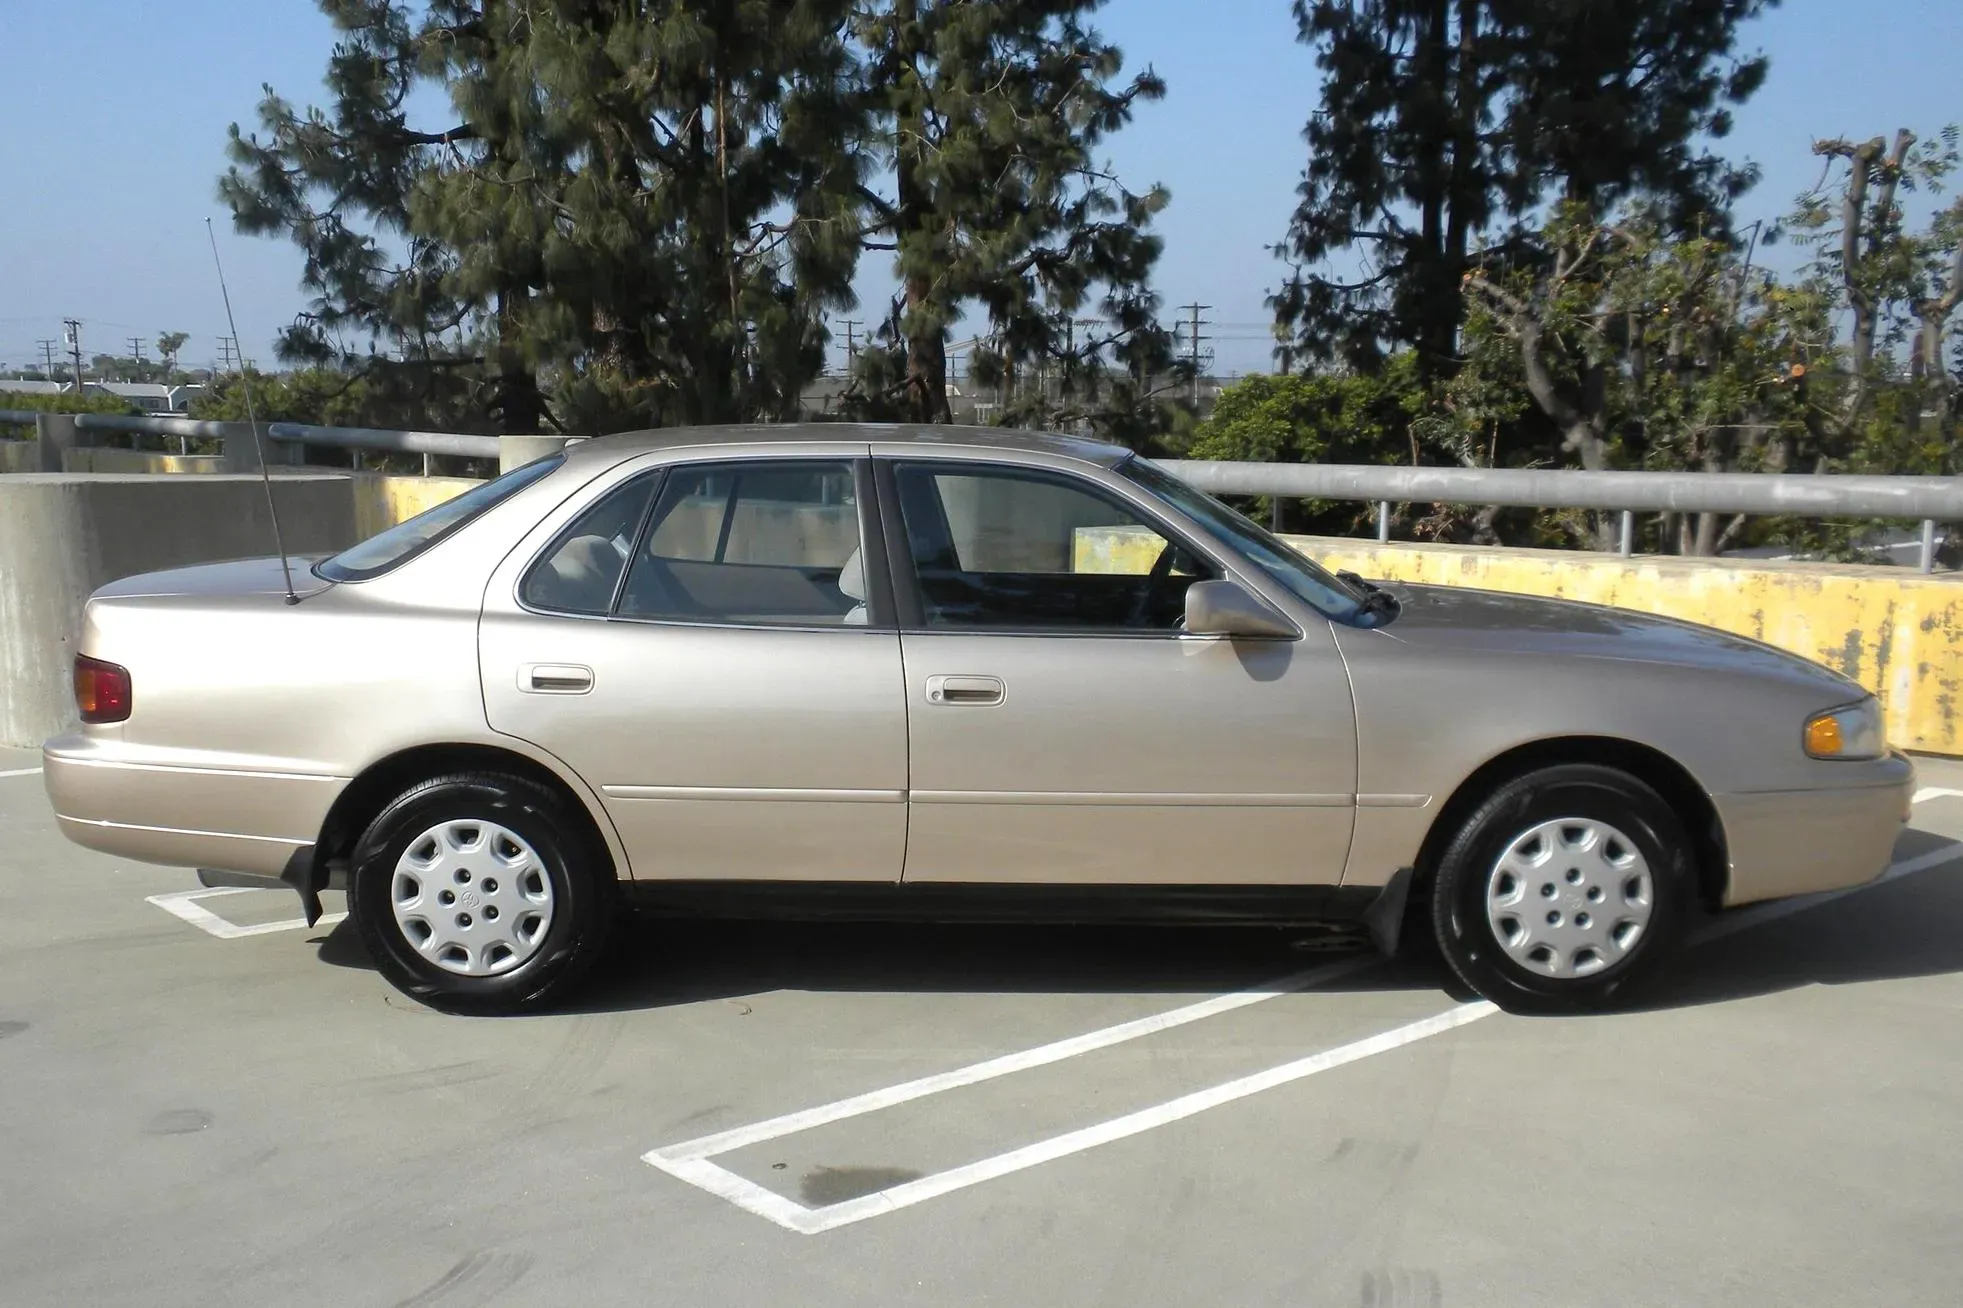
x,y
941,437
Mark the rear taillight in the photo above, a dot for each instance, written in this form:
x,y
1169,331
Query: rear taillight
x,y
102,690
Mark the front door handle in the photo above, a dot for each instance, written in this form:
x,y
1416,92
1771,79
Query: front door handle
x,y
555,679
964,691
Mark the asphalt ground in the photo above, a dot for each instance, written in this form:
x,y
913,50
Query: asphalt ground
x,y
195,1111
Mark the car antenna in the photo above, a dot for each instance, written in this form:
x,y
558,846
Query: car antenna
x,y
252,416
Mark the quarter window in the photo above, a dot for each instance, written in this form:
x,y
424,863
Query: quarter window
x,y
770,543
581,571
1010,548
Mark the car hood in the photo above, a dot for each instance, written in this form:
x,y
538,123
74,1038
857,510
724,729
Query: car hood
x,y
1478,621
240,577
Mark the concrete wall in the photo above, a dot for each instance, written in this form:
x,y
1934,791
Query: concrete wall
x,y
62,535
381,500
1895,631
106,459
20,456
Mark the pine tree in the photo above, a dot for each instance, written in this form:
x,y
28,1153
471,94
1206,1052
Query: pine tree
x,y
1447,123
986,120
644,206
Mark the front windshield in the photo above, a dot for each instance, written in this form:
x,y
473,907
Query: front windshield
x,y
400,543
1306,580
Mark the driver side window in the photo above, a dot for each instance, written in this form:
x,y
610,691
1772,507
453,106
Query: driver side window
x,y
1013,548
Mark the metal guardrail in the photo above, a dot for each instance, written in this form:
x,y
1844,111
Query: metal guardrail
x,y
1929,499
370,438
424,443
192,428
360,438
19,415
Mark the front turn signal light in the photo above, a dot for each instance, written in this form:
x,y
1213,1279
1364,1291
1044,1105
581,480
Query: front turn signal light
x,y
1853,732
102,690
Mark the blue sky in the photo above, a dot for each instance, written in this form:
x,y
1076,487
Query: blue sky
x,y
115,114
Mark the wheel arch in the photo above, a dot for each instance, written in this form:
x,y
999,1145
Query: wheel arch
x,y
1663,774
374,786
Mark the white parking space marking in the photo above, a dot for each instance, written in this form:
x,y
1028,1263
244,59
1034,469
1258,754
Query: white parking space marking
x,y
187,906
791,1123
22,772
689,1162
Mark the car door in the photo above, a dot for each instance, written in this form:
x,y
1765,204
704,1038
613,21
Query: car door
x,y
1060,726
699,643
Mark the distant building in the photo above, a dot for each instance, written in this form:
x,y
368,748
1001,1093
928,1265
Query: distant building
x,y
36,387
150,397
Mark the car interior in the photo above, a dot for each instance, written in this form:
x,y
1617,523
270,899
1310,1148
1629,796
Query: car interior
x,y
740,546
1034,582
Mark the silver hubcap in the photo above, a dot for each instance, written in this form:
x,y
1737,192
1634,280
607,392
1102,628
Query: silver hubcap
x,y
1570,897
472,898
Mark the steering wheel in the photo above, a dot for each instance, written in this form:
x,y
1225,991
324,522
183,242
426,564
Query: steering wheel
x,y
1155,582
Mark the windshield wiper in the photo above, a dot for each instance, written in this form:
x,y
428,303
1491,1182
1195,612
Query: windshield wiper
x,y
1376,602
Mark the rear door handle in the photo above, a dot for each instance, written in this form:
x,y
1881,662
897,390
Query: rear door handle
x,y
555,679
964,691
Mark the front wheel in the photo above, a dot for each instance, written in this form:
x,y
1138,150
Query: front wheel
x,y
1563,889
481,893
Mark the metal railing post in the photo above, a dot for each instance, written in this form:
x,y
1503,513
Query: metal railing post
x,y
1383,521
1928,545
1628,543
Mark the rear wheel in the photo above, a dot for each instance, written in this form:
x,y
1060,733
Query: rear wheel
x,y
1563,889
481,893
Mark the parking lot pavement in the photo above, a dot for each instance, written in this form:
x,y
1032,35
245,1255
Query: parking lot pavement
x,y
842,1115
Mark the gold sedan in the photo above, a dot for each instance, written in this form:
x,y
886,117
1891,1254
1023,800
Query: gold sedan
x,y
861,671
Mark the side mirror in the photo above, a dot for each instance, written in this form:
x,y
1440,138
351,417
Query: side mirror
x,y
1226,608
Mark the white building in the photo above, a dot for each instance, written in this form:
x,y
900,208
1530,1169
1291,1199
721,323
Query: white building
x,y
150,397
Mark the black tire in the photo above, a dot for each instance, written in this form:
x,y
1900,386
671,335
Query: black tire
x,y
1460,919
583,886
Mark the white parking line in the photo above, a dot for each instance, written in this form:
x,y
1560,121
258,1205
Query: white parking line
x,y
686,1162
792,1123
690,1160
1935,792
185,905
22,772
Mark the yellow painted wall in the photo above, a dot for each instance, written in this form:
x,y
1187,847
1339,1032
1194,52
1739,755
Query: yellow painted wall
x,y
381,500
1895,631
106,459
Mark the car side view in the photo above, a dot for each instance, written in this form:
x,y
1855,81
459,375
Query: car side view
x,y
953,673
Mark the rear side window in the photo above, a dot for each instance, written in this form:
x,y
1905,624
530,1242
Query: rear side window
x,y
752,543
405,540
582,570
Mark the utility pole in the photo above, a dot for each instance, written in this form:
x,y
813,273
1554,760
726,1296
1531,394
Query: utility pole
x,y
851,344
47,358
73,335
1193,344
136,352
227,351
